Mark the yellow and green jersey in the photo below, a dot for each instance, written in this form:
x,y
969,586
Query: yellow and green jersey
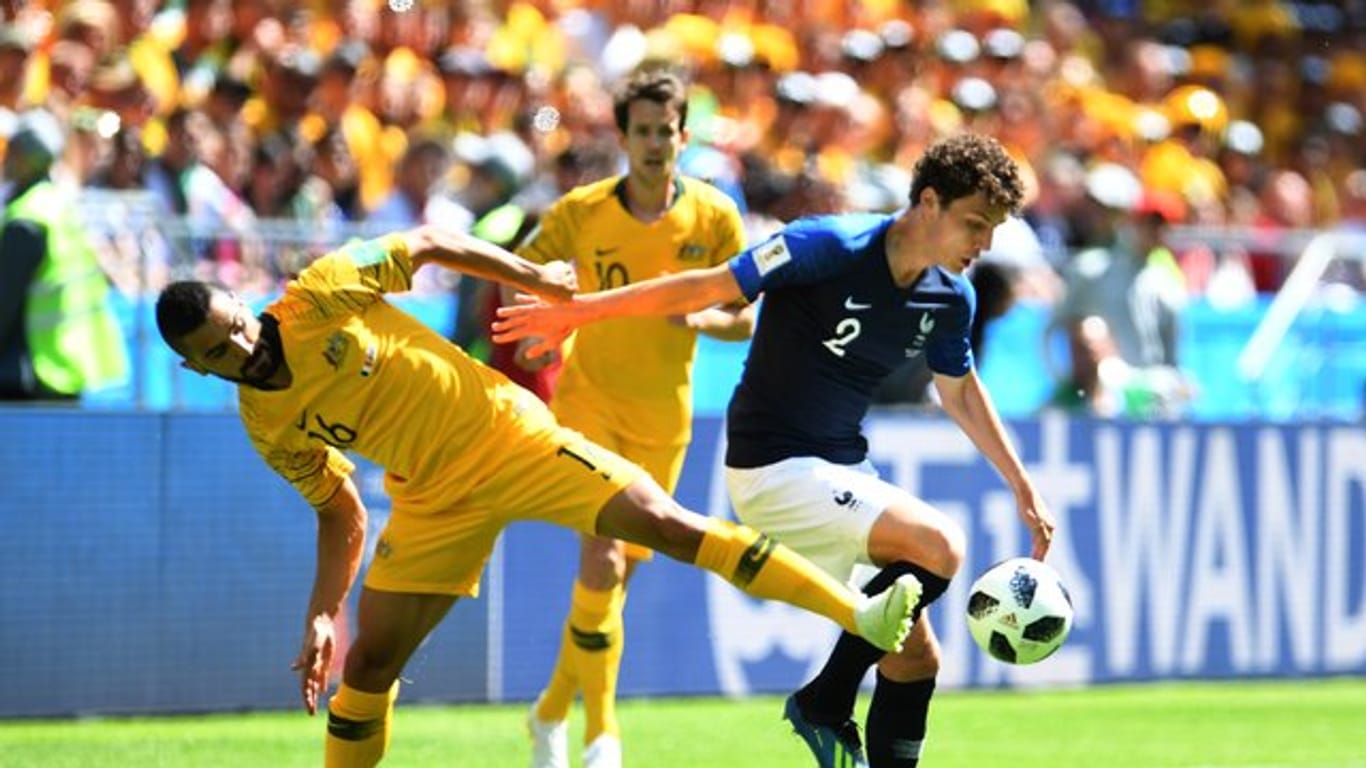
x,y
642,366
370,378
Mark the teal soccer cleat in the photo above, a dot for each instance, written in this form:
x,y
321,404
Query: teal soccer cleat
x,y
834,747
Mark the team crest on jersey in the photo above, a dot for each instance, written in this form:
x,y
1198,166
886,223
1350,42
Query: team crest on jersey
x,y
335,351
771,255
692,252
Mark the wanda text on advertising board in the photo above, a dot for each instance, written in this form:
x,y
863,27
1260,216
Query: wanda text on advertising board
x,y
1189,550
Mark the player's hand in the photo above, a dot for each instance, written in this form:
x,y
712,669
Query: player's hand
x,y
546,325
706,321
315,659
699,320
1034,512
531,364
559,282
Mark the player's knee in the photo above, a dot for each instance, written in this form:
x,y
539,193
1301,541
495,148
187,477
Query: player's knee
x,y
953,544
947,548
602,563
939,549
920,535
371,666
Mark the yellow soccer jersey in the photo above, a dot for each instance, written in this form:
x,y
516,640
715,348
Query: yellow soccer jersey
x,y
641,365
370,378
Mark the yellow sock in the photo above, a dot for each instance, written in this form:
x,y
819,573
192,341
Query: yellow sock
x,y
553,705
593,626
599,639
358,727
763,568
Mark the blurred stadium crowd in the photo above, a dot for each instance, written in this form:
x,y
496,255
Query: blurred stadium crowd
x,y
1128,117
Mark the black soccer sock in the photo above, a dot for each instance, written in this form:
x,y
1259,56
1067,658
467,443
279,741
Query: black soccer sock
x,y
932,587
829,698
896,722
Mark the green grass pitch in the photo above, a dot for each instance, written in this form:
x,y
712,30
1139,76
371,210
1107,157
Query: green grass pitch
x,y
1293,723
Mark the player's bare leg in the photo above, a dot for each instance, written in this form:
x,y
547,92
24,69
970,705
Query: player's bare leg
x,y
917,533
360,713
756,563
918,659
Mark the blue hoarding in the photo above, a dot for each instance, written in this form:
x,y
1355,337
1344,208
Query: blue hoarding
x,y
151,563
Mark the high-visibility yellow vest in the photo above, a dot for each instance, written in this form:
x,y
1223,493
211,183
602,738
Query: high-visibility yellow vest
x,y
72,334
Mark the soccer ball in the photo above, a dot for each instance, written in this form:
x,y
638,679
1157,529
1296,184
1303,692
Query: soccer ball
x,y
1018,611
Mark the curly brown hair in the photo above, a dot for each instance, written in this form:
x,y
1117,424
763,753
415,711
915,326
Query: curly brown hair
x,y
965,164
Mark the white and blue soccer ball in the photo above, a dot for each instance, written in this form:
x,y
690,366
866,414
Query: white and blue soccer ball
x,y
1018,611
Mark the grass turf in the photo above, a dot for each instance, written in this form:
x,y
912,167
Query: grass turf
x,y
1295,723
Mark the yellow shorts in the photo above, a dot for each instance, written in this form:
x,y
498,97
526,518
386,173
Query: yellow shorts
x,y
663,462
546,472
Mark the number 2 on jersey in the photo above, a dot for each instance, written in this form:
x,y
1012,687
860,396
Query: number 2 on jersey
x,y
848,329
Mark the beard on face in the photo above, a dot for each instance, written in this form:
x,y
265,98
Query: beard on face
x,y
265,358
260,366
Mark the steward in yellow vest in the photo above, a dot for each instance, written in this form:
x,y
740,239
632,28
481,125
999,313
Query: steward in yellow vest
x,y
58,336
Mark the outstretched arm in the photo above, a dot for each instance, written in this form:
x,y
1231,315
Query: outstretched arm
x,y
729,323
966,401
462,252
676,294
341,542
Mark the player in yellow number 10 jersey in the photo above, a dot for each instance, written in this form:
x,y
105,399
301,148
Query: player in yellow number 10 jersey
x,y
627,384
331,366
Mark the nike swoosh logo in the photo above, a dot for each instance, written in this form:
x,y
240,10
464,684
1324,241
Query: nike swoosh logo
x,y
604,251
854,306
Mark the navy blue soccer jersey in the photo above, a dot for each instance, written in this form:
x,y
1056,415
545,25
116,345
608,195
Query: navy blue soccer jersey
x,y
834,324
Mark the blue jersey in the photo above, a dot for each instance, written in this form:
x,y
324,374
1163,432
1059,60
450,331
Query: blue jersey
x,y
833,325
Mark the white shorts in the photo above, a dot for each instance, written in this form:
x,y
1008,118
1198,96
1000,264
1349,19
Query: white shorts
x,y
824,511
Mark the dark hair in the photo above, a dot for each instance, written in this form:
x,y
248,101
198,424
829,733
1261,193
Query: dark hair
x,y
965,164
658,85
181,308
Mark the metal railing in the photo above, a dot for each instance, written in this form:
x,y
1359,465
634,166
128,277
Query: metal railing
x,y
142,248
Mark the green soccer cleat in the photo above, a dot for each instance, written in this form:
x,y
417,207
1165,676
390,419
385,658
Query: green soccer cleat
x,y
885,618
833,747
